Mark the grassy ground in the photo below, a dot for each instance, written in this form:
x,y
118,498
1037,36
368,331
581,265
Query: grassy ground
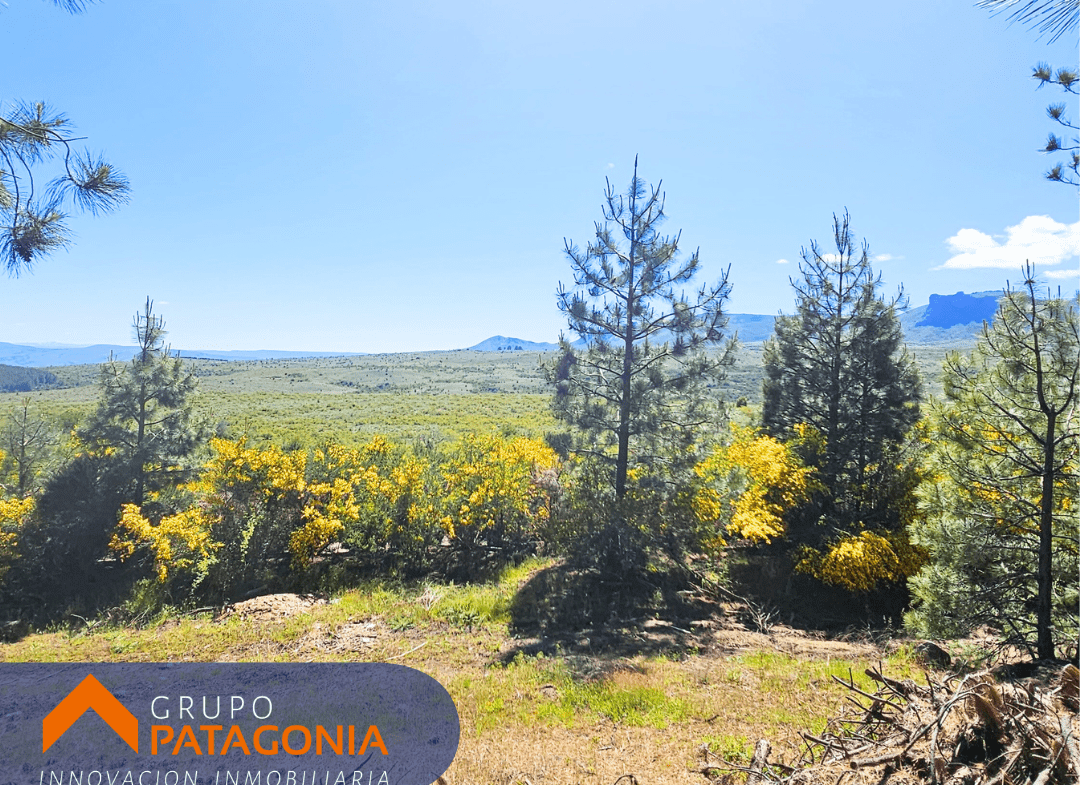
x,y
532,711
310,419
427,395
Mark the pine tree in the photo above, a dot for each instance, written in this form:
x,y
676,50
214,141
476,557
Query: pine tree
x,y
138,446
28,439
145,418
639,386
33,221
640,398
1001,522
1056,17
839,366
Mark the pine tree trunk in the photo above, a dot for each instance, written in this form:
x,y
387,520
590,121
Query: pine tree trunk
x,y
140,485
623,460
1043,618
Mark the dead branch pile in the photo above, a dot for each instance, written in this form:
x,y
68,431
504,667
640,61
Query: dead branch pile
x,y
970,730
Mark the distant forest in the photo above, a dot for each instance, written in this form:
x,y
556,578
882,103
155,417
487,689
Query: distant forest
x,y
16,379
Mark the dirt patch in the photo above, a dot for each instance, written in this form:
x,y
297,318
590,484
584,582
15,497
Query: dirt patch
x,y
356,636
722,637
600,754
272,607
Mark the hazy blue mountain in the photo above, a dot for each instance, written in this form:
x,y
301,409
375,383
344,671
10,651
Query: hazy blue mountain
x,y
43,356
947,317
751,326
949,310
39,356
950,317
500,343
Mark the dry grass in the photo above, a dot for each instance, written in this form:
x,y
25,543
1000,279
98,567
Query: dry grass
x,y
568,714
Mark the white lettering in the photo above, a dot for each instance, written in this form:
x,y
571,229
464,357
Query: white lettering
x,y
255,711
217,711
153,708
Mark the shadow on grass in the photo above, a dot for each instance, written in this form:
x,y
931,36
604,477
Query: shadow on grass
x,y
568,609
768,581
565,609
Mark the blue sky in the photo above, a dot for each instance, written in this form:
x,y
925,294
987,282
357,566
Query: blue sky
x,y
392,176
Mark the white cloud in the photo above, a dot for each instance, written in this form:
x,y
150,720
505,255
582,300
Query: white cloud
x,y
886,257
1038,239
1073,273
782,261
611,166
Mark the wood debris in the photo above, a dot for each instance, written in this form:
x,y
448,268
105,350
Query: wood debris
x,y
969,730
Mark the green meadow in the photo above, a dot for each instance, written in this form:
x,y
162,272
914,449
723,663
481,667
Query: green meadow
x,y
420,395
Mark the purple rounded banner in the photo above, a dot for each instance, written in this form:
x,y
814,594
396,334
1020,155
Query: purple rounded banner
x,y
223,724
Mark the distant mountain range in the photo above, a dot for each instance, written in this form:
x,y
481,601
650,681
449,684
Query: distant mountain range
x,y
751,327
946,317
500,343
44,356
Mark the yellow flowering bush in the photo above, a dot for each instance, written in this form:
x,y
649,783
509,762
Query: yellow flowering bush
x,y
269,471
371,498
244,506
178,542
497,488
749,485
859,562
260,515
14,513
329,505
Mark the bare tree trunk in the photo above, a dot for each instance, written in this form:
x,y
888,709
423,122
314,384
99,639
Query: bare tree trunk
x,y
1043,618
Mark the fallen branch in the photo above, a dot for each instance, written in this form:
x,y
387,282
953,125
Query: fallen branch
x,y
406,653
978,731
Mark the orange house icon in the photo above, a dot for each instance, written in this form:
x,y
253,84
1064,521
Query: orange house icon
x,y
90,694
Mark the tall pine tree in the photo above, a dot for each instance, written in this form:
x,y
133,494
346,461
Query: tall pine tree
x,y
839,366
1001,522
144,419
638,392
645,362
139,444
